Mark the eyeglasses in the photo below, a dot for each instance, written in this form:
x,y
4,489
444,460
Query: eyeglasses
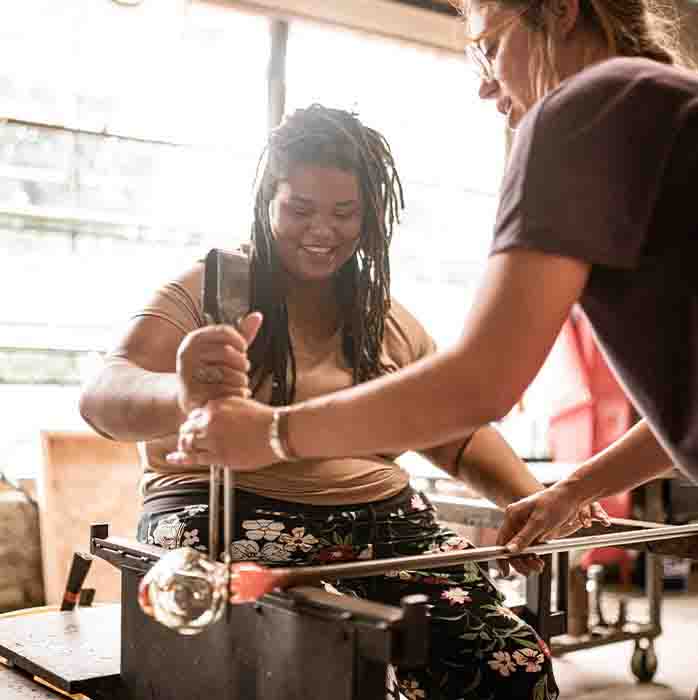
x,y
480,63
478,59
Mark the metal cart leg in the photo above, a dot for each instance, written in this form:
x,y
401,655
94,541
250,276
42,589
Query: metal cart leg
x,y
644,659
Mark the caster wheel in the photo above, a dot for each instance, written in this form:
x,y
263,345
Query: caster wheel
x,y
644,661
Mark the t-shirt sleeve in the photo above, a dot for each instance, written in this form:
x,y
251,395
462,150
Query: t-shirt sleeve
x,y
586,166
178,302
406,340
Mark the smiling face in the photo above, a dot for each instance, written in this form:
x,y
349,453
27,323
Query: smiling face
x,y
316,217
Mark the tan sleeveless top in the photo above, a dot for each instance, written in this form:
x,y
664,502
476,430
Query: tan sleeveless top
x,y
314,481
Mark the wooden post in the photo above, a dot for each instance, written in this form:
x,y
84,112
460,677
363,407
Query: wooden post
x,y
276,73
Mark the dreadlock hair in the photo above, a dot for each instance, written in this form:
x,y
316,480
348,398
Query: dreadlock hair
x,y
333,138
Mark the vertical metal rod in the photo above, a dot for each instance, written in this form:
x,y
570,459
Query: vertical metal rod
x,y
228,528
654,565
563,582
228,510
214,513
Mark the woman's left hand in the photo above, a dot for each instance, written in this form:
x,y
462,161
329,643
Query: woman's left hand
x,y
545,515
233,432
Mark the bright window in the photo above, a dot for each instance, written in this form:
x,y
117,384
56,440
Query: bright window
x,y
130,146
449,149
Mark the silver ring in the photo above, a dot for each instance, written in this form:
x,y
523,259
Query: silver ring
x,y
191,440
208,375
188,442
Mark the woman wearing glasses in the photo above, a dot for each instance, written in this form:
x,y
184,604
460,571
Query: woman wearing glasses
x,y
597,207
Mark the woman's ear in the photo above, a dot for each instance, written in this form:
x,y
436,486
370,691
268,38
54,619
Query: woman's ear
x,y
565,14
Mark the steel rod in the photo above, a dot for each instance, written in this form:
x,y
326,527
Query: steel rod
x,y
228,526
214,513
478,554
228,510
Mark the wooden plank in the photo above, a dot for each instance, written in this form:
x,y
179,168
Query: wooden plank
x,y
85,479
15,685
70,650
379,17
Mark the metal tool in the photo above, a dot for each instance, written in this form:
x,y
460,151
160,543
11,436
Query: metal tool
x,y
225,300
185,590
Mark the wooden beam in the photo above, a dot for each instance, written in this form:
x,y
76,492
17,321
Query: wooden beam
x,y
276,73
387,18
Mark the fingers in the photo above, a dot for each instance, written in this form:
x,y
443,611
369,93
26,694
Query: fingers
x,y
503,566
220,345
229,382
530,564
526,565
599,515
531,531
222,356
584,516
503,536
212,363
219,335
189,459
250,325
193,445
514,514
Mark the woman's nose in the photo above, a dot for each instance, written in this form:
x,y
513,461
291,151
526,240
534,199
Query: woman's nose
x,y
488,89
321,226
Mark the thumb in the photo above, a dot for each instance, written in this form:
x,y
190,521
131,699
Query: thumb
x,y
250,325
525,536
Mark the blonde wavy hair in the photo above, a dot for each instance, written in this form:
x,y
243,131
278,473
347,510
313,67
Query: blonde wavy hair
x,y
633,28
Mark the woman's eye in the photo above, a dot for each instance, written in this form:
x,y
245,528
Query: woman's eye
x,y
344,214
301,212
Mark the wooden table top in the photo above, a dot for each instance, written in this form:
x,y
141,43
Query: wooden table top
x,y
70,650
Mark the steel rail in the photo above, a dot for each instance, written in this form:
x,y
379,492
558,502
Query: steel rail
x,y
377,567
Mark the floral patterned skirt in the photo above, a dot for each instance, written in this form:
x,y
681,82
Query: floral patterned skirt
x,y
478,647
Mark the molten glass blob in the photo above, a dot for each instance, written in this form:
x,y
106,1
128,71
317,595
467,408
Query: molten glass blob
x,y
184,591
249,582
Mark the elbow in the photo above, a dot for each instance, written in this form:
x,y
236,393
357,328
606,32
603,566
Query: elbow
x,y
487,387
88,405
491,402
500,408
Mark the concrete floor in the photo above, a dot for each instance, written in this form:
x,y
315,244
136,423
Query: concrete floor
x,y
604,673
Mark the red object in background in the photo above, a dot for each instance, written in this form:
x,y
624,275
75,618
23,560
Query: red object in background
x,y
593,413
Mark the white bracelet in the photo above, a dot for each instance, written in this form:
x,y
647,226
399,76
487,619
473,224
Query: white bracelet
x,y
277,438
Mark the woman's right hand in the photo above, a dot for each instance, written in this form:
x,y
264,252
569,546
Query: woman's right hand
x,y
212,363
230,431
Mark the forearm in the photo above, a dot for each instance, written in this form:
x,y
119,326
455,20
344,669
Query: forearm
x,y
512,324
494,470
629,462
432,402
129,403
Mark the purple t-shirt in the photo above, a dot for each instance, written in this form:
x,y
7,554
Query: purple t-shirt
x,y
605,170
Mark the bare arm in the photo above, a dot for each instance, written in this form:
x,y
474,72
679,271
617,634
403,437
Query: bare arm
x,y
518,313
149,383
135,395
632,460
489,466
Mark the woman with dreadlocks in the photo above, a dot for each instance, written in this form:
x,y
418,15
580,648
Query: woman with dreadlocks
x,y
326,201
